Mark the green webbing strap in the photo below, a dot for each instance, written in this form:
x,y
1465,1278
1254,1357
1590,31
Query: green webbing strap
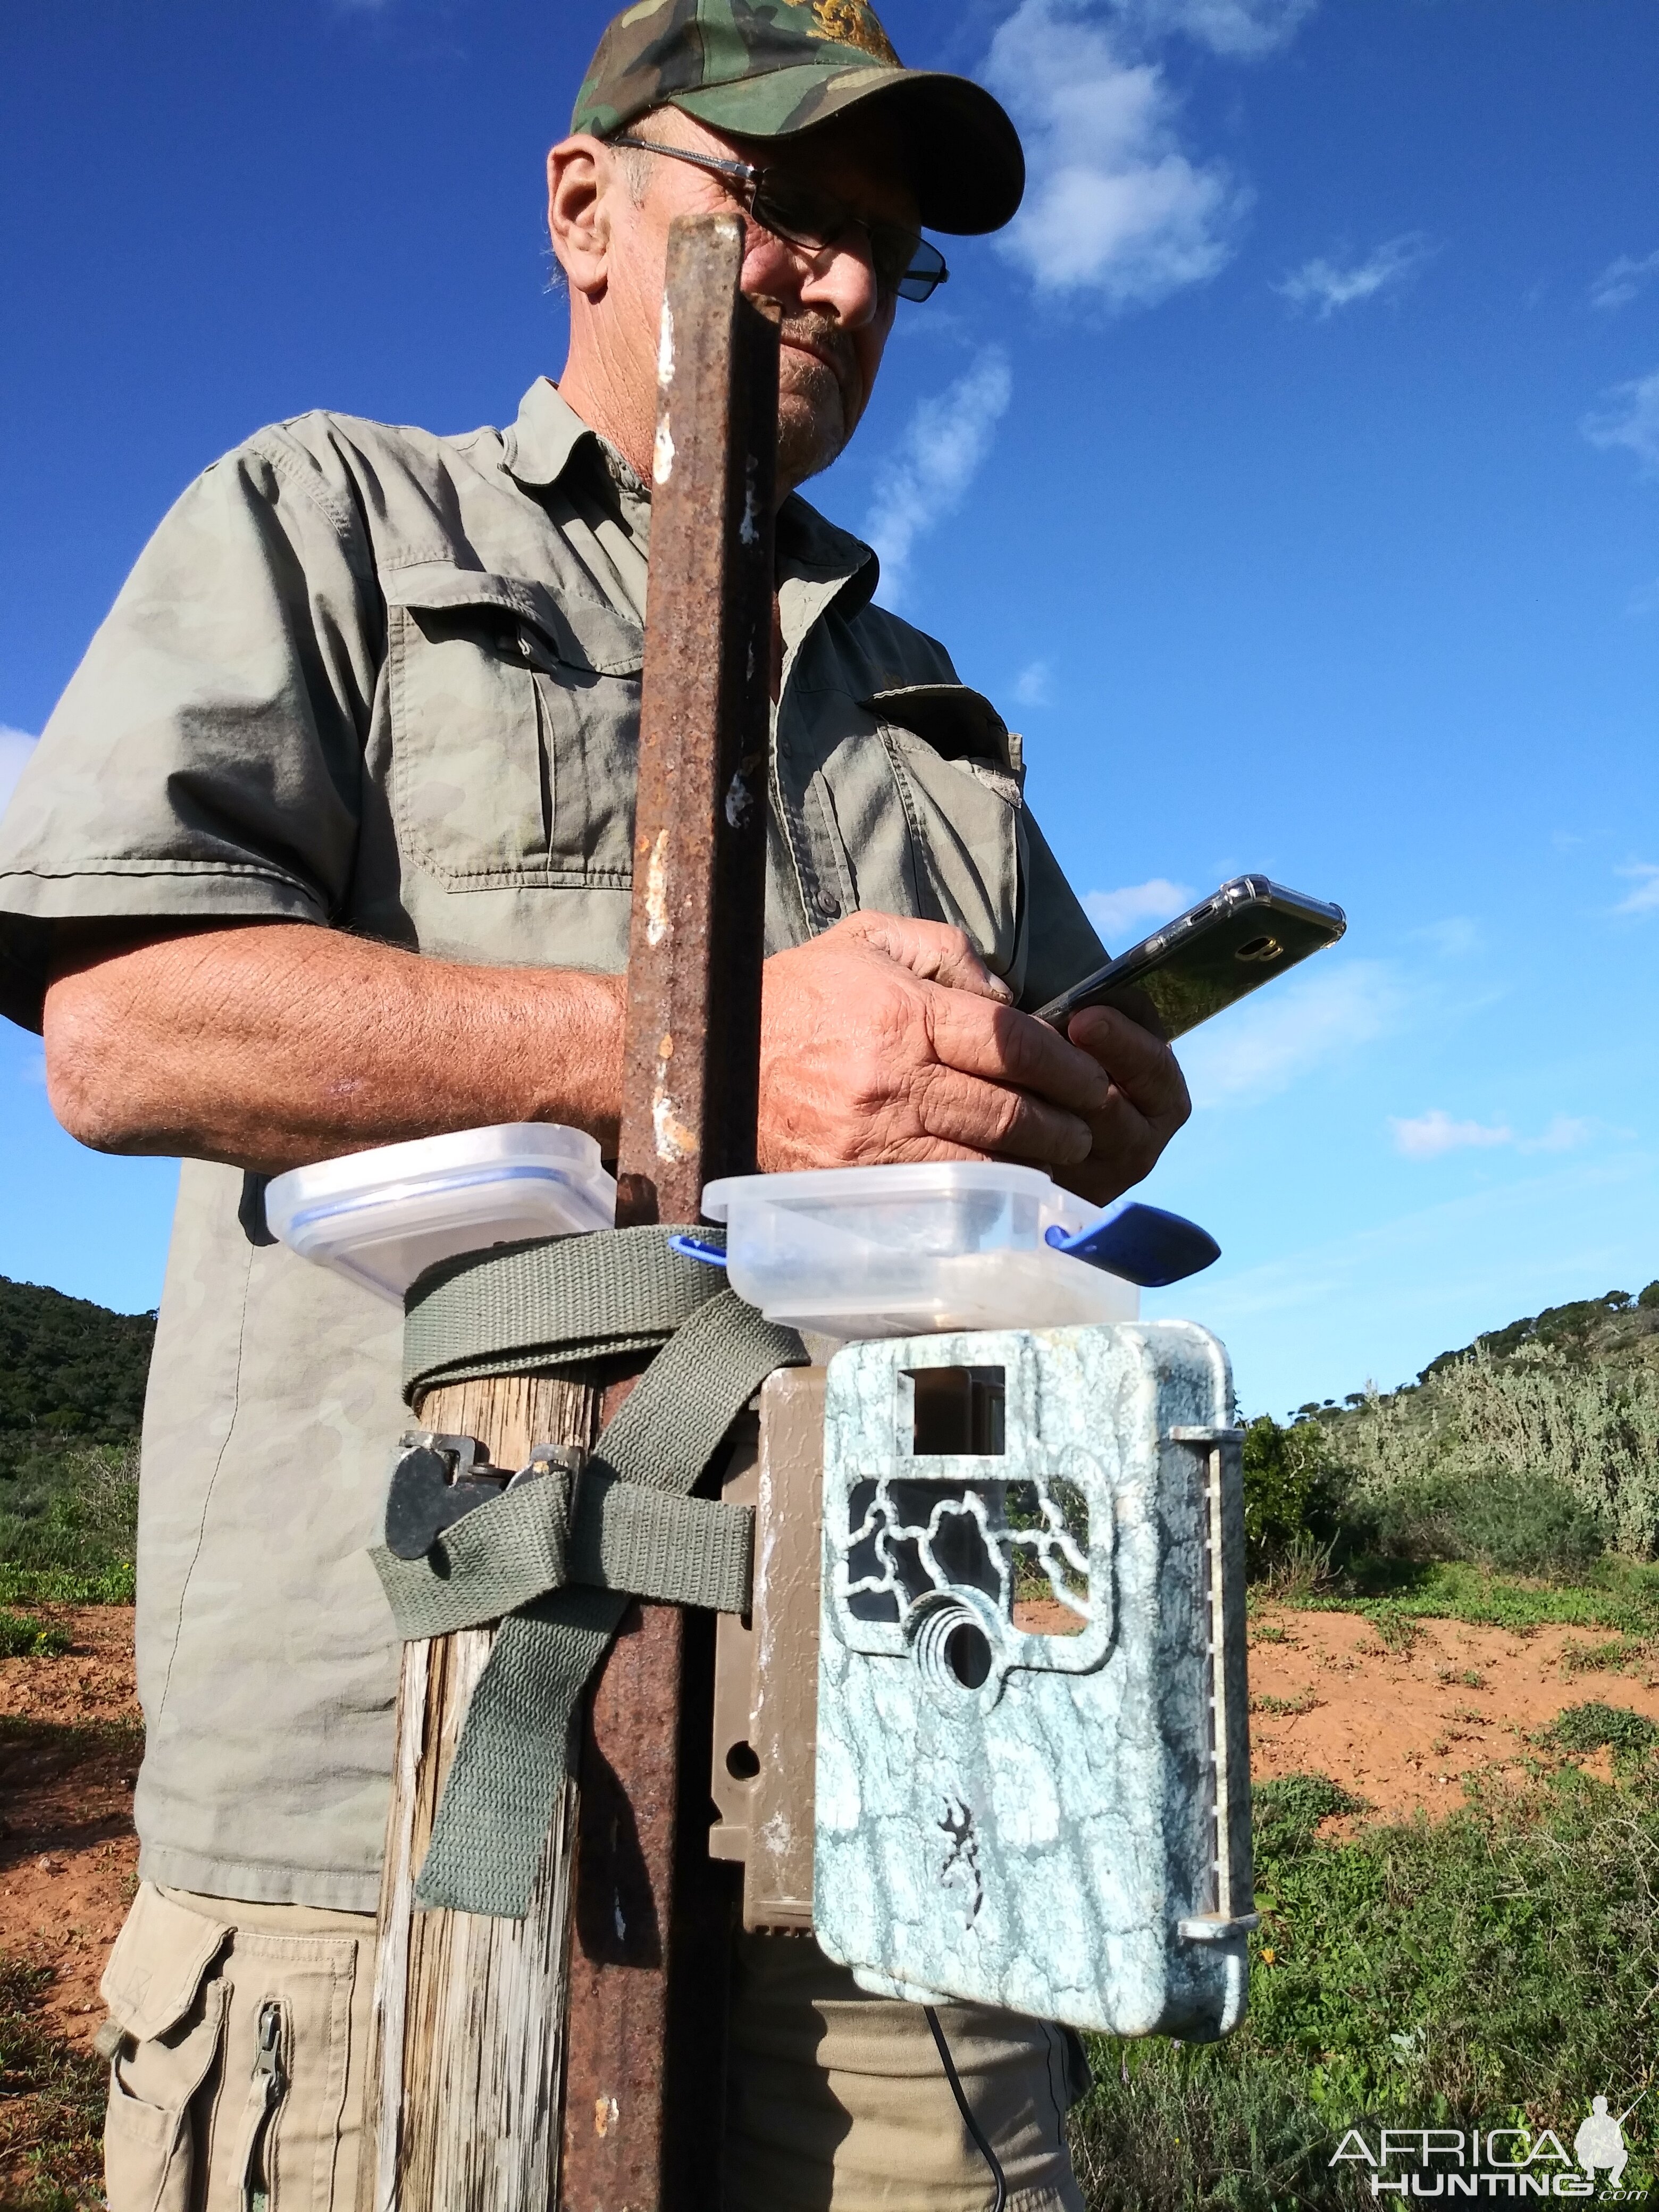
x,y
687,1550
557,1303
511,1764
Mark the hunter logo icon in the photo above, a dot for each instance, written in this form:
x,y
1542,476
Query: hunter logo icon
x,y
850,23
1600,2141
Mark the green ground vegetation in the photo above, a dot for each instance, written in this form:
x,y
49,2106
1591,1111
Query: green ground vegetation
x,y
71,1396
1498,1969
52,2107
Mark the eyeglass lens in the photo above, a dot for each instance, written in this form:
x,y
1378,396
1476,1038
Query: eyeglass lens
x,y
904,261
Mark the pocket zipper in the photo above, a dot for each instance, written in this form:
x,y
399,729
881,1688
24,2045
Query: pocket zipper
x,y
270,2081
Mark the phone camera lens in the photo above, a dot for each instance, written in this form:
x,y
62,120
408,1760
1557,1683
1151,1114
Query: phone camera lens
x,y
1260,949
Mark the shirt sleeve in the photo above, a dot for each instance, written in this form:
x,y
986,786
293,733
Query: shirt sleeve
x,y
1064,946
206,759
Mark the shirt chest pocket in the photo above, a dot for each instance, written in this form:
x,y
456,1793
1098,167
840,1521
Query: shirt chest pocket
x,y
953,848
514,724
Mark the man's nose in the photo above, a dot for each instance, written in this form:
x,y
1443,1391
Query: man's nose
x,y
839,279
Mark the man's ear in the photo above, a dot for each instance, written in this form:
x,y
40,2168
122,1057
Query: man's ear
x,y
580,175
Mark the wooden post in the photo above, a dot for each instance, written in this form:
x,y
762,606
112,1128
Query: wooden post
x,y
645,2087
462,2107
476,2019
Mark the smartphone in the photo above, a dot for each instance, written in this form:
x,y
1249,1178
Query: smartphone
x,y
1248,933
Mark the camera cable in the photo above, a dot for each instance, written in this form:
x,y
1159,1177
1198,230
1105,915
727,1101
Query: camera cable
x,y
982,2143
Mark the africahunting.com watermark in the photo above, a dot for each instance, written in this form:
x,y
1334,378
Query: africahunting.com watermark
x,y
1496,2161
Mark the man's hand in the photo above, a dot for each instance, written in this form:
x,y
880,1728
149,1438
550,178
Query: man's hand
x,y
274,1044
1146,1103
886,1040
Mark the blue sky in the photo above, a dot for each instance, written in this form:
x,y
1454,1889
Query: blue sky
x,y
1289,474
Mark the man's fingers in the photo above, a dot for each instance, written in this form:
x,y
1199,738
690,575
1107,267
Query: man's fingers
x,y
961,1109
933,951
1002,1045
1141,1067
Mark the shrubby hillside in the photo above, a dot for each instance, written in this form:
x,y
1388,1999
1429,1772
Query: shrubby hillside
x,y
1535,1450
69,1368
71,1398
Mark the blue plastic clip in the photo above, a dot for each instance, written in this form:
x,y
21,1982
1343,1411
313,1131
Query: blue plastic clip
x,y
694,1247
1142,1244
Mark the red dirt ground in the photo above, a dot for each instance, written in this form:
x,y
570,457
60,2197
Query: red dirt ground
x,y
70,1744
1401,1729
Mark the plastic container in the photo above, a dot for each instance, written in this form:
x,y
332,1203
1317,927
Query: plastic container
x,y
382,1217
905,1251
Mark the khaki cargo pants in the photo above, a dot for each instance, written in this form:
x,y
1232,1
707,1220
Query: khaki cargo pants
x,y
237,2036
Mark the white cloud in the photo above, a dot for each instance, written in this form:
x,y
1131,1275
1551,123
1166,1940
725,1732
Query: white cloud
x,y
1033,686
1324,286
1258,1049
15,746
1565,1133
1645,898
1113,208
1634,421
1453,939
1428,1135
1621,280
1239,27
1115,914
939,455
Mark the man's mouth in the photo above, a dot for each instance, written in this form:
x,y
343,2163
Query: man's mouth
x,y
830,350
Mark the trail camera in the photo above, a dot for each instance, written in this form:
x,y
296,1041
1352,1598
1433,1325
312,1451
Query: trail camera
x,y
1032,1767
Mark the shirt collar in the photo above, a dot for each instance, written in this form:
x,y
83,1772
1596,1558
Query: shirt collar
x,y
830,561
547,435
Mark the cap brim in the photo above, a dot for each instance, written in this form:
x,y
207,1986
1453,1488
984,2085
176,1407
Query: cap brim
x,y
969,167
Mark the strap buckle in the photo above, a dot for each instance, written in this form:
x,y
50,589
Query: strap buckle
x,y
439,1478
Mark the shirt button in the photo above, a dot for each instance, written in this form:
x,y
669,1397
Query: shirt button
x,y
828,903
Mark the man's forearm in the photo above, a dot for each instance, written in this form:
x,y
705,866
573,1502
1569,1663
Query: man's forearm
x,y
267,1046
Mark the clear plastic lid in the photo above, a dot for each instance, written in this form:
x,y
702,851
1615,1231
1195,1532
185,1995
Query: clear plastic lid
x,y
384,1216
904,1250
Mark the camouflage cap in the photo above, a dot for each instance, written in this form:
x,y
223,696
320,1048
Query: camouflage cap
x,y
768,69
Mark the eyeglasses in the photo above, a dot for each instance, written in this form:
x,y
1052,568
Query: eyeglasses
x,y
802,215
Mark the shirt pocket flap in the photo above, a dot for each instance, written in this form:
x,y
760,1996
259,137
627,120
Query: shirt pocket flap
x,y
157,1967
959,723
582,633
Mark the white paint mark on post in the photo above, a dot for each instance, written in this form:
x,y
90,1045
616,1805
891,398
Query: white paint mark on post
x,y
657,922
675,1142
749,528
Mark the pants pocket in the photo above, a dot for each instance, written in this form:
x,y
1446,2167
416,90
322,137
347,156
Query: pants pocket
x,y
150,2125
282,2140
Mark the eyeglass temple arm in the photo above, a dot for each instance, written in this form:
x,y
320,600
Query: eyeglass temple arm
x,y
745,172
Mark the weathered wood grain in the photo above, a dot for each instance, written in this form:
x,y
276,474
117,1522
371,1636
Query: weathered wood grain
x,y
467,2057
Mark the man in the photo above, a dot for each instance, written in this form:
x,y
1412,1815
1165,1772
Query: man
x,y
328,845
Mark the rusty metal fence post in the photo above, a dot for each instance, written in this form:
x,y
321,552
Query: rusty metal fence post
x,y
654,1914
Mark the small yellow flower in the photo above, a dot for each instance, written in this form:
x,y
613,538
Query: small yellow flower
x,y
1269,1954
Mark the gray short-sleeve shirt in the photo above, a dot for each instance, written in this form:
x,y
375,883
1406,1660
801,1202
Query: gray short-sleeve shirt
x,y
372,679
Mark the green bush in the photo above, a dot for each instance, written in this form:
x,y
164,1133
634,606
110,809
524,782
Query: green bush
x,y
1527,1432
22,1637
68,1523
1494,1970
1518,1524
1579,1729
1290,1499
